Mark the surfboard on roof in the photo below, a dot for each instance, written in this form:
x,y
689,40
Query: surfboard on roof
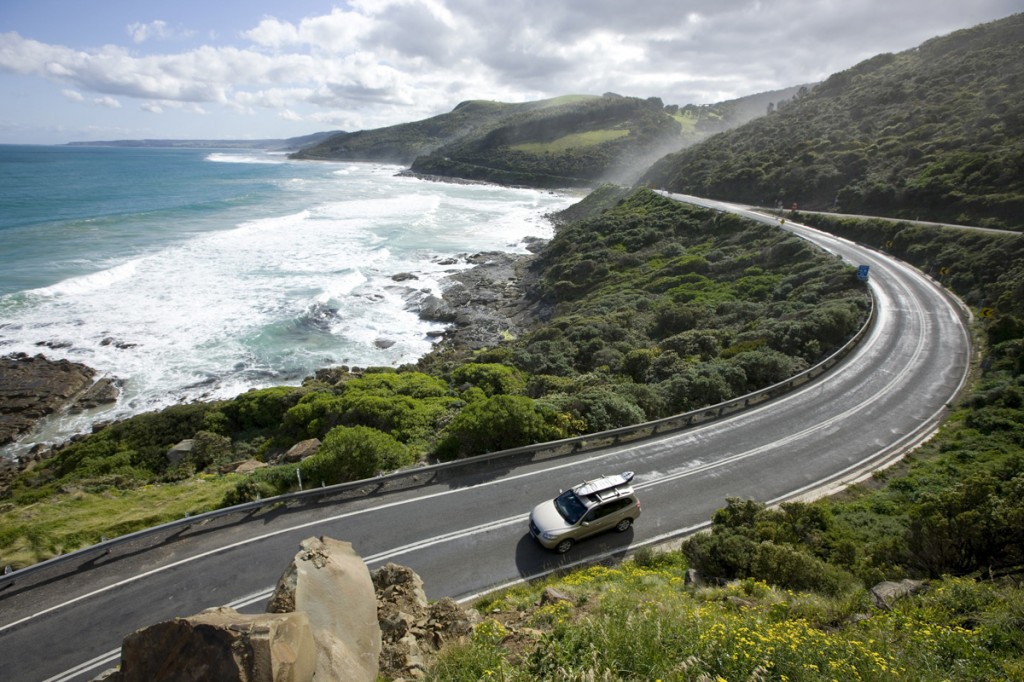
x,y
604,483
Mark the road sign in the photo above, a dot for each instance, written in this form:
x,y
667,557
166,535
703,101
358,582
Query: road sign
x,y
862,272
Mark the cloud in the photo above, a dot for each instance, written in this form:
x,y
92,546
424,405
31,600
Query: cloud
x,y
108,102
158,29
378,62
73,95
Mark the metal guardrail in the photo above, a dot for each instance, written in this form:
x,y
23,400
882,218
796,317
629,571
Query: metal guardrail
x,y
406,479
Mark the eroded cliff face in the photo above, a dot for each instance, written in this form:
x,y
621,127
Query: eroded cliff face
x,y
328,619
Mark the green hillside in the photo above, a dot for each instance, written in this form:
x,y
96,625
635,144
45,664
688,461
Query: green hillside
x,y
935,133
574,140
402,143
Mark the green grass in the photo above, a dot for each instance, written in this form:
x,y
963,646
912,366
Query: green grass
x,y
687,120
74,519
638,621
564,99
573,141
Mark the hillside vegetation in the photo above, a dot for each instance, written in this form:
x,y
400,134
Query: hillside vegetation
x,y
933,133
575,140
654,308
786,590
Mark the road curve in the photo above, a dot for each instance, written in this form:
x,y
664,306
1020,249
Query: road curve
x,y
466,537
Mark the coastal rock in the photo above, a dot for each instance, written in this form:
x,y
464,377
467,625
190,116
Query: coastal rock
x,y
105,391
436,309
403,277
33,387
221,644
487,302
331,584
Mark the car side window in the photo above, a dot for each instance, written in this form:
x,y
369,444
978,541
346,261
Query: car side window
x,y
606,509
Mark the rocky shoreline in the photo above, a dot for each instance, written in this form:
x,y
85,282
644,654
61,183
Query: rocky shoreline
x,y
33,387
486,303
480,306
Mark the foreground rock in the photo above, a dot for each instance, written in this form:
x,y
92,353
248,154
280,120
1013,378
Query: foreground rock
x,y
221,644
327,620
33,387
328,581
413,629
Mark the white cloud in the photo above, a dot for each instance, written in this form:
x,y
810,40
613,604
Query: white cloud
x,y
379,62
108,102
158,29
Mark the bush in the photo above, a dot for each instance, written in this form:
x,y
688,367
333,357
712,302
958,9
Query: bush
x,y
497,423
210,450
350,453
795,569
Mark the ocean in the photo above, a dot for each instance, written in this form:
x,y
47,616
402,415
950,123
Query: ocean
x,y
198,274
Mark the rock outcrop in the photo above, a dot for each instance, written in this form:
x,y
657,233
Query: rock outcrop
x,y
302,450
486,302
328,619
33,387
887,592
330,583
221,644
414,630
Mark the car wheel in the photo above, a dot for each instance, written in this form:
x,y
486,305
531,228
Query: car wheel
x,y
563,546
623,525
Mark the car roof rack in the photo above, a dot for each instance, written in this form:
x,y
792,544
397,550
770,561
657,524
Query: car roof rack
x,y
599,485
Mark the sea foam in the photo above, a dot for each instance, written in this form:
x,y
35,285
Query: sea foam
x,y
300,277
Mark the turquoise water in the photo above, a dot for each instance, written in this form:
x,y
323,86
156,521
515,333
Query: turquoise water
x,y
198,274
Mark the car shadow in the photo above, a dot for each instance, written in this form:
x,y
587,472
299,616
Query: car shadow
x,y
533,561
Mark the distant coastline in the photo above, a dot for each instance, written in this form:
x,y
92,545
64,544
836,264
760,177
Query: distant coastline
x,y
285,144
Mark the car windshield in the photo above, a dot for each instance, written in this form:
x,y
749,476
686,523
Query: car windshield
x,y
570,507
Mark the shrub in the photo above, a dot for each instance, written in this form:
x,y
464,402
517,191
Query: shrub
x,y
497,423
350,453
795,569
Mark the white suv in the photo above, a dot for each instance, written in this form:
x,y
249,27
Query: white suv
x,y
589,508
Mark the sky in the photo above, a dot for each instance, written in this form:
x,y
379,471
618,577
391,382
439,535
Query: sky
x,y
79,70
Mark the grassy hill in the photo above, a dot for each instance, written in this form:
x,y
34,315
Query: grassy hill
x,y
575,140
935,133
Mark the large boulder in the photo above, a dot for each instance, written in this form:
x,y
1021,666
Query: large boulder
x,y
887,592
302,450
331,584
221,644
180,451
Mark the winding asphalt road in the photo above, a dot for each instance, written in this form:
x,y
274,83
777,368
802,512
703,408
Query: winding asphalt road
x,y
470,536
